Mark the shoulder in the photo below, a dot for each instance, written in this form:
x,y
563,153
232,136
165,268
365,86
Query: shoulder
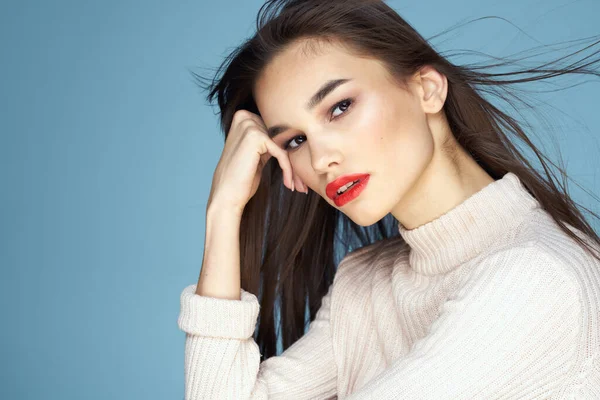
x,y
541,230
540,236
527,268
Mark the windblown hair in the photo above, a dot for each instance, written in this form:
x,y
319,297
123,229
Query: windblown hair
x,y
288,242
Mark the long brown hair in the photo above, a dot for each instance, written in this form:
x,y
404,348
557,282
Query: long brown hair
x,y
288,241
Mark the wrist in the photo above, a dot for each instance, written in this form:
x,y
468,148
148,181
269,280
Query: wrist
x,y
223,213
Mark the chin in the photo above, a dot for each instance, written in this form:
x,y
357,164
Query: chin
x,y
363,214
365,219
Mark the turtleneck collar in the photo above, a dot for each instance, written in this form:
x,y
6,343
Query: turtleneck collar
x,y
469,228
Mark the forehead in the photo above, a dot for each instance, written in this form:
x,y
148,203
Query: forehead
x,y
294,75
299,60
300,69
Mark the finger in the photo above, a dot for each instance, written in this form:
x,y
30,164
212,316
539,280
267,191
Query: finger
x,y
298,184
305,188
265,158
284,162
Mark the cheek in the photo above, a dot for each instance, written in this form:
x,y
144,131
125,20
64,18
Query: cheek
x,y
302,167
413,143
378,127
394,133
372,127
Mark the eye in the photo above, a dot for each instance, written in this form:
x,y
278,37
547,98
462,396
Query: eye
x,y
287,144
342,105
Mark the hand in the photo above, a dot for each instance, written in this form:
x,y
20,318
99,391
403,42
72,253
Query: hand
x,y
247,150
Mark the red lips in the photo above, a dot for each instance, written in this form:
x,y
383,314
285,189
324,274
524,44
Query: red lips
x,y
333,186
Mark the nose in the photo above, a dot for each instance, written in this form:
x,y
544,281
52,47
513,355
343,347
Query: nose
x,y
324,155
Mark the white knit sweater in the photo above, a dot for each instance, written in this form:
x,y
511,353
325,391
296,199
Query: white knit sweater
x,y
489,301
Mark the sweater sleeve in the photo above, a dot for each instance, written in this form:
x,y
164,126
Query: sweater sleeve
x,y
222,360
510,331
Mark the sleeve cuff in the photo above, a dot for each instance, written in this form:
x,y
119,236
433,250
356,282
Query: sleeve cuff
x,y
214,317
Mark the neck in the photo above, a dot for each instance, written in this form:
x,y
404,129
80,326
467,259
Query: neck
x,y
484,220
448,180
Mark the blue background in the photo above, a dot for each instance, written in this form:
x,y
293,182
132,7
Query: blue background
x,y
107,153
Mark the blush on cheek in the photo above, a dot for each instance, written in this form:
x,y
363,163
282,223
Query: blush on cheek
x,y
370,127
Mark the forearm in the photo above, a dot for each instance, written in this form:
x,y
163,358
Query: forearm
x,y
220,273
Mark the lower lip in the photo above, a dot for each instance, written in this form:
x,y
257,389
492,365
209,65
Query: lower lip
x,y
351,193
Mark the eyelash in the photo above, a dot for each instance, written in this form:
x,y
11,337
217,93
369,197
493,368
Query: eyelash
x,y
331,110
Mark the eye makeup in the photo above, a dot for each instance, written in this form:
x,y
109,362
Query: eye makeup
x,y
348,102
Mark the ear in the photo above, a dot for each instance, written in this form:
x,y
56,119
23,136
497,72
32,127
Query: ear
x,y
432,89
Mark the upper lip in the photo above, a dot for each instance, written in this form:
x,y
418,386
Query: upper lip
x,y
333,186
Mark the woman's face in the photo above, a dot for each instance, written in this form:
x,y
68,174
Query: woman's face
x,y
365,125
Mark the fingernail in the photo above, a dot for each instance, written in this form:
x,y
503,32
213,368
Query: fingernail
x,y
292,186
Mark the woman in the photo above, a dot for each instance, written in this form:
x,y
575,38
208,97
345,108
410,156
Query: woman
x,y
488,288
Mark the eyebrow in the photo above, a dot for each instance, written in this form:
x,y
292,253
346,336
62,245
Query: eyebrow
x,y
327,88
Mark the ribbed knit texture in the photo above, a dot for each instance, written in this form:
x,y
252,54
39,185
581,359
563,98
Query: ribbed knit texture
x,y
489,301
